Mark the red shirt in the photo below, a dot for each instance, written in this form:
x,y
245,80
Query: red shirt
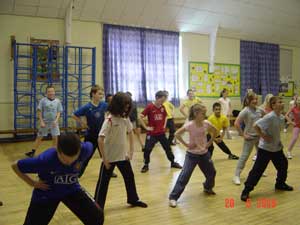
x,y
156,119
296,116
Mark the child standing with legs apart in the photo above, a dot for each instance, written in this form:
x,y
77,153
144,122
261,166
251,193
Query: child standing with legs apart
x,y
157,119
112,143
94,112
58,182
197,153
295,114
269,148
248,116
49,110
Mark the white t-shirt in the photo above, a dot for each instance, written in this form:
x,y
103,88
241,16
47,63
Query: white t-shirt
x,y
115,130
225,103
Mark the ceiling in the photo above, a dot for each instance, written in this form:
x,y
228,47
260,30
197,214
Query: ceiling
x,y
276,21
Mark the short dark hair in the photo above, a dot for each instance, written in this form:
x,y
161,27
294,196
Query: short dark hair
x,y
223,91
187,92
273,100
117,107
69,144
216,104
160,94
107,97
94,90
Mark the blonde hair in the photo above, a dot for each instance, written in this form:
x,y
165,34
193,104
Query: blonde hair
x,y
248,98
267,101
195,109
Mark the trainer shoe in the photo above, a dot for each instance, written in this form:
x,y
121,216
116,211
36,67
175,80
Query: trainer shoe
x,y
172,203
145,168
254,157
236,180
114,175
283,187
209,191
30,154
244,196
233,157
139,204
289,155
176,165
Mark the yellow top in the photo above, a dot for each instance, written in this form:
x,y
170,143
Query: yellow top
x,y
188,103
169,109
219,122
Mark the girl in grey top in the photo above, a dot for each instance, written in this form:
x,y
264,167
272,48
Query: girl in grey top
x,y
249,115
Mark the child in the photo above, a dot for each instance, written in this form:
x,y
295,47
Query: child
x,y
49,110
133,116
94,111
112,143
226,108
292,104
170,120
186,105
58,182
269,148
248,116
294,112
156,114
221,122
197,153
266,107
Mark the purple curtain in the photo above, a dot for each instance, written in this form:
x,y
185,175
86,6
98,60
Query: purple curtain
x,y
259,67
141,61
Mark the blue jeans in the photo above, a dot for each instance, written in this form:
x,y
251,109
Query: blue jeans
x,y
191,160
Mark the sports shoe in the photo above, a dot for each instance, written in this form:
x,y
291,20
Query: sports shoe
x,y
145,168
139,204
30,154
114,175
289,155
236,180
233,157
284,130
254,157
172,203
176,165
209,191
244,196
264,174
283,187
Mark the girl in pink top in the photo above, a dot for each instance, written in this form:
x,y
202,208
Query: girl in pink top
x,y
295,114
197,152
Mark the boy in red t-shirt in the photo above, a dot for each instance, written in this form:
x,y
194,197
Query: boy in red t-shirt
x,y
157,115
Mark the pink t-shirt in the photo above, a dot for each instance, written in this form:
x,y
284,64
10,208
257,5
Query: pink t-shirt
x,y
197,136
296,116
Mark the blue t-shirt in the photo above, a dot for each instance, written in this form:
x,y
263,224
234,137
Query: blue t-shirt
x,y
62,179
49,109
94,116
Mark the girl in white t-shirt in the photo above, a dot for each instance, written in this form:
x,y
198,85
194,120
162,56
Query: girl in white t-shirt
x,y
112,143
197,152
226,108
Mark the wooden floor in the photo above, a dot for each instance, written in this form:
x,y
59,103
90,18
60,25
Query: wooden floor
x,y
154,187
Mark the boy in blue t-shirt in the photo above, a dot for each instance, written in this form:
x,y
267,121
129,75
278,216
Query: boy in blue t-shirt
x,y
94,112
49,111
58,172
